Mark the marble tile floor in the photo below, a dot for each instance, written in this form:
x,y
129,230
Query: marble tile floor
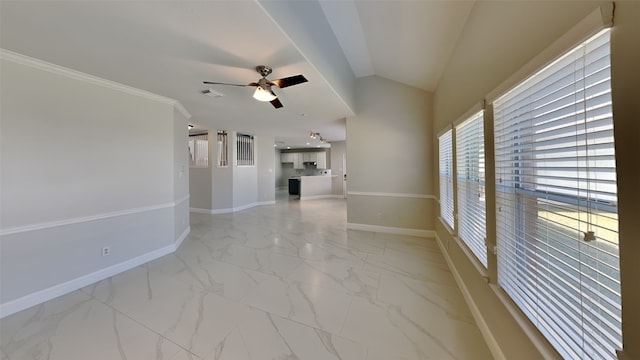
x,y
286,281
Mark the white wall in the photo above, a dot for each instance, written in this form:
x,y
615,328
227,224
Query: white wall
x,y
245,180
180,174
499,39
338,150
233,188
267,164
201,178
389,161
85,163
279,180
221,184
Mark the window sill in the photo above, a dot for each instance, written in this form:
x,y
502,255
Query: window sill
x,y
537,339
446,226
473,259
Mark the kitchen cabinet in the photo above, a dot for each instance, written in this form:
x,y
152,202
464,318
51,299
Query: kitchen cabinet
x,y
298,160
321,160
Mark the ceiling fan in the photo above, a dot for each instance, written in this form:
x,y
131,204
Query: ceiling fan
x,y
263,86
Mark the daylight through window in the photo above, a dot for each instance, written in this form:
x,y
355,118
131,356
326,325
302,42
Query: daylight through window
x,y
471,185
199,150
446,177
557,222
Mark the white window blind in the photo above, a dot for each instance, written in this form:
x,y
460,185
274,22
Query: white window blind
x,y
199,150
557,223
471,185
244,150
446,177
223,156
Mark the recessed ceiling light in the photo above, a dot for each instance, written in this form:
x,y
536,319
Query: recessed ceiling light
x,y
308,143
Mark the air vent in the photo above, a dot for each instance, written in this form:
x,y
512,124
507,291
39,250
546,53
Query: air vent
x,y
212,93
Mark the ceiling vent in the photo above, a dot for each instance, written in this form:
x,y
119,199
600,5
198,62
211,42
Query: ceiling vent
x,y
212,93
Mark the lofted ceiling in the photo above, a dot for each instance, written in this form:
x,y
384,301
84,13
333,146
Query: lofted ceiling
x,y
169,48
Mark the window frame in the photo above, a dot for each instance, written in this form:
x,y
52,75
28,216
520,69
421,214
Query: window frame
x,y
245,150
446,176
529,249
196,150
222,142
471,180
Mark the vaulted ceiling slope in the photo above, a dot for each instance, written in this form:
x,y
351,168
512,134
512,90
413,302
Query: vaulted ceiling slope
x,y
407,41
169,48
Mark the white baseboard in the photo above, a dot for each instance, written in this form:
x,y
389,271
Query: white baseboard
x,y
391,230
231,210
55,291
200,211
493,345
182,236
314,197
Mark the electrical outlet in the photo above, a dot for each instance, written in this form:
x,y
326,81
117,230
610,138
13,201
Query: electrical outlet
x,y
379,216
106,251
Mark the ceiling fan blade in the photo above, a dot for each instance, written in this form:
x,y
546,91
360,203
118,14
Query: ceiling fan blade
x,y
276,103
221,83
289,81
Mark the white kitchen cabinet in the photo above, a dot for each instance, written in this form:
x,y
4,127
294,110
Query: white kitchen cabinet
x,y
309,157
321,160
298,160
286,157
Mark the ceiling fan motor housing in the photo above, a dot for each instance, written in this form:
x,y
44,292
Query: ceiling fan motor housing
x,y
263,86
263,70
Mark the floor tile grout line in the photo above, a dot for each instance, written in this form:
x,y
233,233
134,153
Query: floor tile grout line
x,y
141,324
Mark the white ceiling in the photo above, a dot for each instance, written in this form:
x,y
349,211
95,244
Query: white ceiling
x,y
406,41
169,48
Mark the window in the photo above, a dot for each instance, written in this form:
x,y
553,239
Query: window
x,y
199,150
446,177
244,145
557,227
471,185
223,156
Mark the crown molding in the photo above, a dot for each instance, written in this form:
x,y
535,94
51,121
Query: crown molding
x,y
77,75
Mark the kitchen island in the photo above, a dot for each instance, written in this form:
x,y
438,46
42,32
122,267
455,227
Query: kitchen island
x,y
315,187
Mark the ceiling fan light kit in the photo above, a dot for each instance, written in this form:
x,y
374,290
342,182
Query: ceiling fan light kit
x,y
262,94
263,86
